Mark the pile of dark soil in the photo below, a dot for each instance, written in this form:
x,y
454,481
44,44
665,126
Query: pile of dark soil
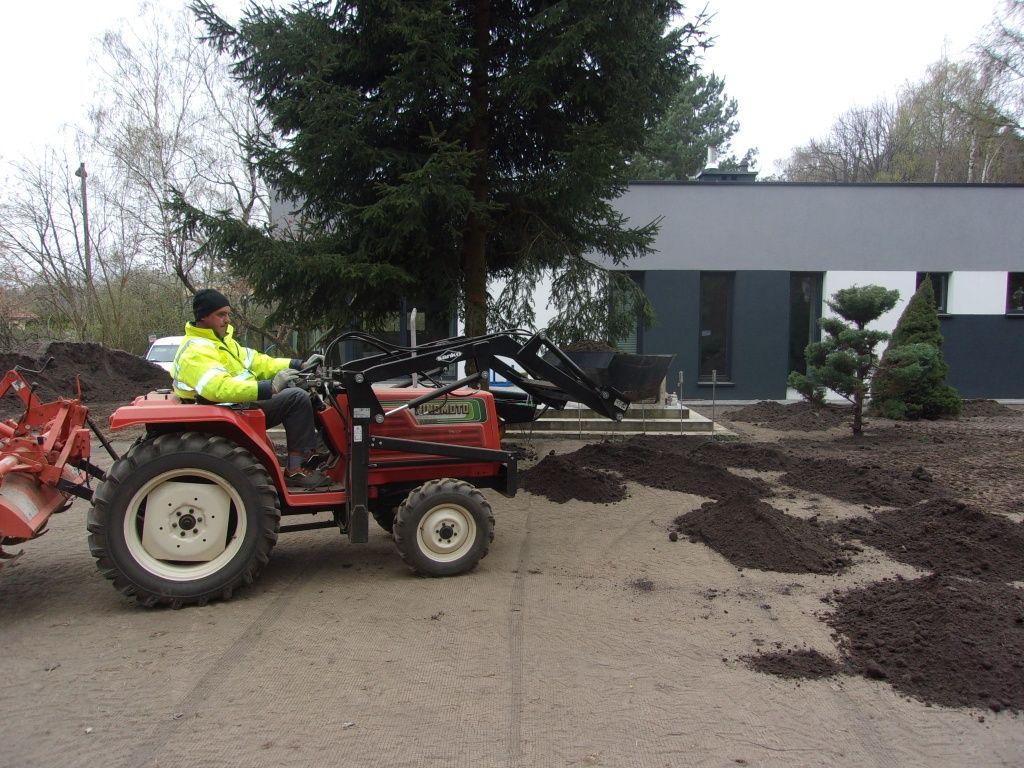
x,y
980,408
109,377
588,345
521,452
752,534
560,478
863,483
943,641
698,466
758,456
794,663
946,537
802,416
644,463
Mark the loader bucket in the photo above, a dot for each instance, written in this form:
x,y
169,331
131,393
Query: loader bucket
x,y
638,377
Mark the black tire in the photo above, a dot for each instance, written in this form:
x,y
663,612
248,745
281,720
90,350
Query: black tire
x,y
385,517
193,477
443,528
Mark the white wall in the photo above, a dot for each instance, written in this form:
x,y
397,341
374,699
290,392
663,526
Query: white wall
x,y
977,293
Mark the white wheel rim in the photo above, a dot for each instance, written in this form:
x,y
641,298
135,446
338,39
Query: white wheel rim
x,y
134,522
446,533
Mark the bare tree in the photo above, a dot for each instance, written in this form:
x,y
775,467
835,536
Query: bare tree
x,y
169,118
42,237
945,128
1002,56
859,147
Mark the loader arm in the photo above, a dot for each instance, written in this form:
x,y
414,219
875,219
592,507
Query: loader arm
x,y
550,377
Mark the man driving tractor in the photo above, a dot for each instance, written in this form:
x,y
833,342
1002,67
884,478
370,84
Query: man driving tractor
x,y
211,367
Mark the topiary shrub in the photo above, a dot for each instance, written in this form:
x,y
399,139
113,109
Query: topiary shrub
x,y
808,390
845,360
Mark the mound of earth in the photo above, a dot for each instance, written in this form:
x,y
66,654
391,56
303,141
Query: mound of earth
x,y
794,663
521,452
560,478
588,345
863,483
802,416
980,408
944,641
109,377
752,534
645,464
759,456
948,537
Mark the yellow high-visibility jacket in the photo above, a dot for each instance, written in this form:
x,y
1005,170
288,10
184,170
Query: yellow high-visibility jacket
x,y
222,370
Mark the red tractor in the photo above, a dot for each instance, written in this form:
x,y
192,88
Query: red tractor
x,y
193,509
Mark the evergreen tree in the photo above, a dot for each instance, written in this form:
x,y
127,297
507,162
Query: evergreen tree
x,y
428,145
845,360
700,116
911,379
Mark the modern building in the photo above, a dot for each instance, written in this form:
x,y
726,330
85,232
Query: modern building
x,y
742,271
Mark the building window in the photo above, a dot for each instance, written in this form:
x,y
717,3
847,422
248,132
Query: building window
x,y
716,298
804,314
633,341
1015,293
940,286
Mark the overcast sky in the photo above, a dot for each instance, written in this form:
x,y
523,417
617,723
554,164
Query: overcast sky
x,y
793,65
796,65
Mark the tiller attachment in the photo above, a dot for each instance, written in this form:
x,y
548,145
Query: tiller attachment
x,y
40,457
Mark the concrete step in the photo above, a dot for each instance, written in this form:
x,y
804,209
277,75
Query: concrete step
x,y
585,423
635,412
626,425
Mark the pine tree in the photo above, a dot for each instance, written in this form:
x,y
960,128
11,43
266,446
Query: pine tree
x,y
429,145
699,116
911,379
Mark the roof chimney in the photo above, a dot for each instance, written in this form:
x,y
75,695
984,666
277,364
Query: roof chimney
x,y
712,156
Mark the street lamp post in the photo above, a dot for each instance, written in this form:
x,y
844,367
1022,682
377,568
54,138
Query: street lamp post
x,y
81,173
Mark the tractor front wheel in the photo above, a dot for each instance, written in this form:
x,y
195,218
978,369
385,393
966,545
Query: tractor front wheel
x,y
184,518
444,527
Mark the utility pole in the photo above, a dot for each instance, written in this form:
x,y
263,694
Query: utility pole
x,y
81,173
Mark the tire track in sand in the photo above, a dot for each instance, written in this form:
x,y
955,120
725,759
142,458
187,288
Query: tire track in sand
x,y
515,650
220,671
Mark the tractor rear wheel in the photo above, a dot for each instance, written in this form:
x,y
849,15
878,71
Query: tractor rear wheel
x,y
444,527
184,518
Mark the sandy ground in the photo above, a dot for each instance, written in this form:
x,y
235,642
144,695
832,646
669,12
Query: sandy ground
x,y
585,637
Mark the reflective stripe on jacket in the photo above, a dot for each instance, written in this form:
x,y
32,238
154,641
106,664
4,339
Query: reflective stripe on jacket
x,y
220,370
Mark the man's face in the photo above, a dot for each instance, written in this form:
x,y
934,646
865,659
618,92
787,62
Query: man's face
x,y
217,321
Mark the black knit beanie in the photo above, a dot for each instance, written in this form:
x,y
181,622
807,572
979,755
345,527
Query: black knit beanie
x,y
208,300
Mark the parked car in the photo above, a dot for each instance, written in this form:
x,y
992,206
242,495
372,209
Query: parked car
x,y
162,351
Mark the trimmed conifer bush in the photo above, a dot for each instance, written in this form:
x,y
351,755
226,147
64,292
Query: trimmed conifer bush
x,y
911,379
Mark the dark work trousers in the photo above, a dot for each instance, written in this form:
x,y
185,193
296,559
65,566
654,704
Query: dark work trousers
x,y
292,408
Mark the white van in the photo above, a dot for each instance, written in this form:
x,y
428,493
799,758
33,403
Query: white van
x,y
162,351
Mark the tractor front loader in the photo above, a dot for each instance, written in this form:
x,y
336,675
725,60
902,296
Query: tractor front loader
x,y
193,509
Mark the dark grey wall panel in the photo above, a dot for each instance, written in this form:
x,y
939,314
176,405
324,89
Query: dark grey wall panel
x,y
985,355
760,350
676,300
760,333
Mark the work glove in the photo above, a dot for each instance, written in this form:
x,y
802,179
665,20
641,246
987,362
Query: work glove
x,y
283,379
311,362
